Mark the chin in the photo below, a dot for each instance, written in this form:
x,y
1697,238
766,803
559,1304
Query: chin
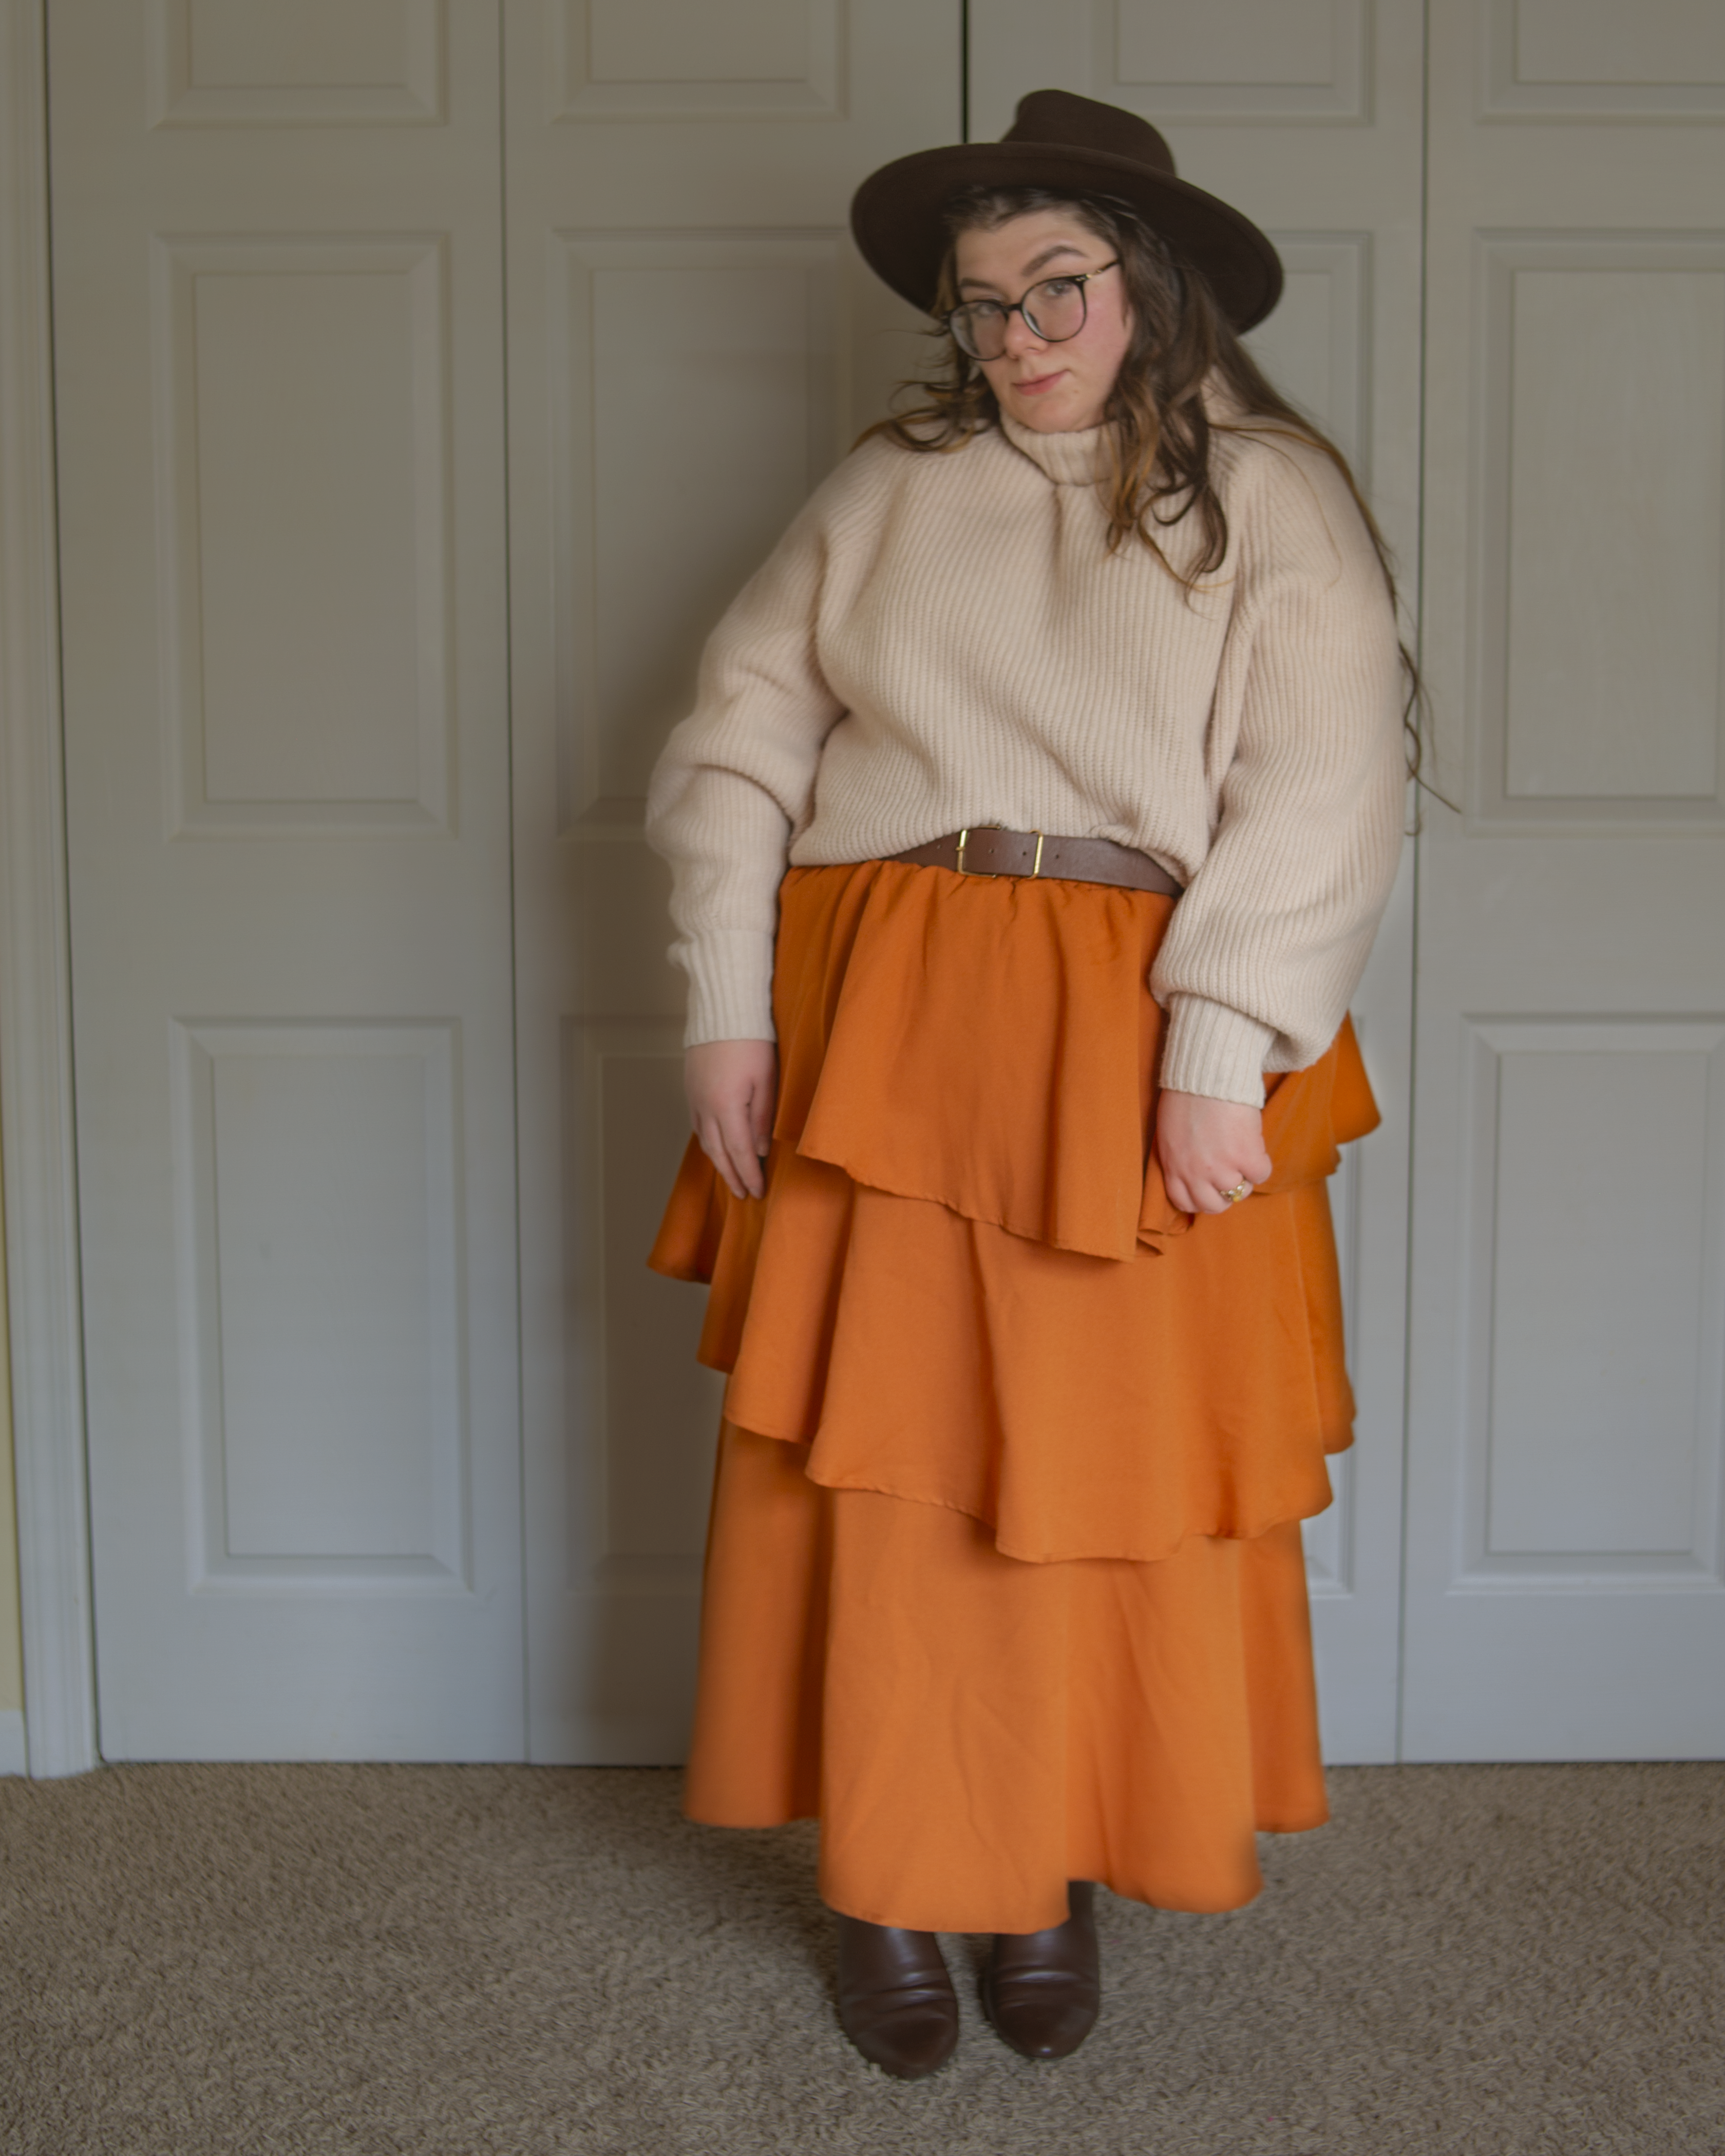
x,y
1062,416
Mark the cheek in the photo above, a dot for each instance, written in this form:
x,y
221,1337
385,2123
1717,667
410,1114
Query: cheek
x,y
1106,339
1114,333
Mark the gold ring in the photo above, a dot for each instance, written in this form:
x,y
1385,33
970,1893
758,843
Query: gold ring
x,y
1240,1190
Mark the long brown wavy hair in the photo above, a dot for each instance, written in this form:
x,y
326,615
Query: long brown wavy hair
x,y
1162,429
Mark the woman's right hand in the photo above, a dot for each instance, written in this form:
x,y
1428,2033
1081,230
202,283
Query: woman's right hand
x,y
730,1085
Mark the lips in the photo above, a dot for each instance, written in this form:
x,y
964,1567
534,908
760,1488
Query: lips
x,y
1036,384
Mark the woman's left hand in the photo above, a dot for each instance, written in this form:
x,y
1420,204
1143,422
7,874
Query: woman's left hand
x,y
1208,1147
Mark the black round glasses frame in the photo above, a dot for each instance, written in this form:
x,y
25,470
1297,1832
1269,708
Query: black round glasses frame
x,y
959,321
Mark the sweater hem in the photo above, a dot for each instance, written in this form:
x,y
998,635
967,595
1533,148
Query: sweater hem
x,y
1215,1051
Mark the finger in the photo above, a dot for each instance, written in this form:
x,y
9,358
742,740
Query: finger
x,y
713,1145
761,1116
1209,1192
734,1124
734,1163
1182,1194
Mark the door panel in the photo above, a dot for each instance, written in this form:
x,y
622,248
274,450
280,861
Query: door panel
x,y
278,272
693,343
1565,1597
1307,117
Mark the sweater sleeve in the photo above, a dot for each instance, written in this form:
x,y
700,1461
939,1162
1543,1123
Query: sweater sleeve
x,y
1271,938
737,780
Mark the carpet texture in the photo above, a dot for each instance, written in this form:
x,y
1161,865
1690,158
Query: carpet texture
x,y
1468,1961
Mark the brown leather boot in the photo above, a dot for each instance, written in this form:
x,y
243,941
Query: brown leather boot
x,y
896,1999
1042,1989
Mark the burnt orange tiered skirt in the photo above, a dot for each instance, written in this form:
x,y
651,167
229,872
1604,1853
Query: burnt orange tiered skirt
x,y
1004,1581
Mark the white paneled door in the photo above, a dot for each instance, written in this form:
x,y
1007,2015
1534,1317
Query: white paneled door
x,y
278,267
300,951
1309,118
1566,1584
693,343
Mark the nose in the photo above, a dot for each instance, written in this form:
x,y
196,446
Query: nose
x,y
1020,337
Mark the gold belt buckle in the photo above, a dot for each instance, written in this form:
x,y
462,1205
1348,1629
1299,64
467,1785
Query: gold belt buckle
x,y
964,840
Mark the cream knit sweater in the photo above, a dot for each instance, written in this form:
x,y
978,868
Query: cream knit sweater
x,y
943,640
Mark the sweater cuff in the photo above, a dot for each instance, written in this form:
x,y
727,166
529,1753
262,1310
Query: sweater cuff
x,y
729,987
1214,1050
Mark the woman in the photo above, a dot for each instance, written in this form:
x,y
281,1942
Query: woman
x,y
1021,1266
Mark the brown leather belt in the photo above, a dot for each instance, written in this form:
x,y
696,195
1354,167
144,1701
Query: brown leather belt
x,y
986,850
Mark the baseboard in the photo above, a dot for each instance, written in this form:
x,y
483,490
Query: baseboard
x,y
14,1759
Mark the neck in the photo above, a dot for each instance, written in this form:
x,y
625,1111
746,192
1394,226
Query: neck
x,y
1072,457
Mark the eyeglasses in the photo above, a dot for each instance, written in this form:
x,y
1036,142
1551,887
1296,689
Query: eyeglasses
x,y
1053,310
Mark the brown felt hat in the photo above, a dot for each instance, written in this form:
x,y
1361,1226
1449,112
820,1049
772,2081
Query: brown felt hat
x,y
1058,139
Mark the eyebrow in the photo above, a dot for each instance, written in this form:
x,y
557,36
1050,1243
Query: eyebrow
x,y
1036,262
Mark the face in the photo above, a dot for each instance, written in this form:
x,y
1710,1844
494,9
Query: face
x,y
1054,388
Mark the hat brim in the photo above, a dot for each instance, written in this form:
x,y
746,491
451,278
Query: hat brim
x,y
897,216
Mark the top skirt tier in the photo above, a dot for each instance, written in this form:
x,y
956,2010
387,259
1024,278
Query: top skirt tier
x,y
966,1285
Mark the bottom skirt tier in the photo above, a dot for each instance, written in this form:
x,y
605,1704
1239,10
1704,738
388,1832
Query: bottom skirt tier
x,y
972,1730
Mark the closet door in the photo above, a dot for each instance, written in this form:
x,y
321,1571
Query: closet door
x,y
277,258
1308,118
1566,1584
692,345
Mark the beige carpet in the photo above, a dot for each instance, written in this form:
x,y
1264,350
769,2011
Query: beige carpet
x,y
1469,1961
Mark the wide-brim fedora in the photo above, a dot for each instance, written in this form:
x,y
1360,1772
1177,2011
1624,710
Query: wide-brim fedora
x,y
1060,140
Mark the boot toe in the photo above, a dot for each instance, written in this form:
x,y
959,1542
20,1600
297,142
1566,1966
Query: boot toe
x,y
896,1998
1044,2016
1043,1990
906,2043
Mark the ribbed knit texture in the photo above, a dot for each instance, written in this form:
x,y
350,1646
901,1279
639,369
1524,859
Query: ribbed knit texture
x,y
944,639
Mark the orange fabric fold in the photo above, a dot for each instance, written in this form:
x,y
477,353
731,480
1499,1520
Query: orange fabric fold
x,y
965,1285
973,1732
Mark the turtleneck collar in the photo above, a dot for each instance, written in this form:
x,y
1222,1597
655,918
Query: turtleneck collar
x,y
1074,460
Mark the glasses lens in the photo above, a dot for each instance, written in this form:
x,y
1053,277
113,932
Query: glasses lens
x,y
979,329
1055,309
